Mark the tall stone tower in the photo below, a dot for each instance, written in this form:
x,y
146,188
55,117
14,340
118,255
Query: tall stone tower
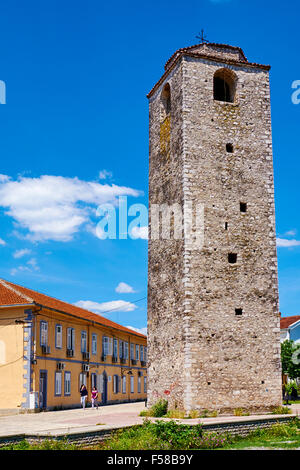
x,y
213,320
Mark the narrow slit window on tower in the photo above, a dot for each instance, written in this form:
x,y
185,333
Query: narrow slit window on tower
x,y
226,225
243,207
232,258
229,148
239,311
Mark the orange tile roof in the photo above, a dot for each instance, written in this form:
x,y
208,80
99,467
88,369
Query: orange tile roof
x,y
288,321
13,294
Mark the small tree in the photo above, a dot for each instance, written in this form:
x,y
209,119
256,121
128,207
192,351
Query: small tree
x,y
290,359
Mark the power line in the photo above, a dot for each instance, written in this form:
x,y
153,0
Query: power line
x,y
118,308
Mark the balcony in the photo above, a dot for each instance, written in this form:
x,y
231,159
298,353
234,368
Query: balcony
x,y
114,359
133,362
86,355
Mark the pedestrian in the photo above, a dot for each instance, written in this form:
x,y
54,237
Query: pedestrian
x,y
83,395
94,397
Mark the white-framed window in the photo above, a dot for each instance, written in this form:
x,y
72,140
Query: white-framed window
x,y
131,384
67,383
107,346
131,350
142,352
71,338
139,384
116,383
82,379
137,351
58,336
58,377
100,383
94,343
83,341
145,354
115,354
145,384
124,384
120,349
44,333
125,349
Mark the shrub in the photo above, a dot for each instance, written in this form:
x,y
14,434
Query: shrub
x,y
193,414
158,410
176,414
240,412
281,410
178,436
208,414
212,441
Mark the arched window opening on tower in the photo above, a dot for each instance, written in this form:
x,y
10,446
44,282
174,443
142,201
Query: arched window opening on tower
x,y
165,102
225,85
165,122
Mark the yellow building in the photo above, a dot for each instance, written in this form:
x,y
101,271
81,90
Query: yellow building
x,y
49,348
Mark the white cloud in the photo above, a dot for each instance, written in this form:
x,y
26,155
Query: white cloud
x,y
106,307
104,174
55,207
143,331
123,288
33,264
29,267
290,233
20,253
140,232
2,242
283,242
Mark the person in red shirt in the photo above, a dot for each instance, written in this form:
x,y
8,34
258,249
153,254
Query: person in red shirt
x,y
94,397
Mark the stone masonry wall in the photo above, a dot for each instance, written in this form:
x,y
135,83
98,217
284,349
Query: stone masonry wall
x,y
201,353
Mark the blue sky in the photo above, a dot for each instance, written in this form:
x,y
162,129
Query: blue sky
x,y
74,134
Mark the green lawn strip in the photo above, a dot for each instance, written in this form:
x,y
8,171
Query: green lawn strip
x,y
172,435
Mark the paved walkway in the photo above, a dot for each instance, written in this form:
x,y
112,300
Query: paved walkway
x,y
106,417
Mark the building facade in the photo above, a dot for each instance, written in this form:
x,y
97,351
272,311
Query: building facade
x,y
213,319
49,348
290,328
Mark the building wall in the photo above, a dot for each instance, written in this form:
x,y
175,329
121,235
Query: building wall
x,y
226,360
166,261
11,360
295,333
14,390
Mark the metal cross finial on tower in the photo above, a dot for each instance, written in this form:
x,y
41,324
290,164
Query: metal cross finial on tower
x,y
202,37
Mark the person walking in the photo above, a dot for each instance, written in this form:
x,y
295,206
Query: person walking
x,y
83,395
94,396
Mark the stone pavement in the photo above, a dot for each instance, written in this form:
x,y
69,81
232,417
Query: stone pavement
x,y
57,423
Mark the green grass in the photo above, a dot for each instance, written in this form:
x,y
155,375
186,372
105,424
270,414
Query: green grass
x,y
50,444
171,435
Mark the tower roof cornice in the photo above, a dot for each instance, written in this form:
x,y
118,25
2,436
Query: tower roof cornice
x,y
222,53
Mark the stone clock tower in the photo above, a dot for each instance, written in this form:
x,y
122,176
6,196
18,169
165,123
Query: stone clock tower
x,y
213,320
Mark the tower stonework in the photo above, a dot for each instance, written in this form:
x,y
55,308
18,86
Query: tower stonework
x,y
213,319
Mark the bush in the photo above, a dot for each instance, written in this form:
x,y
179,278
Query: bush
x,y
281,410
178,436
194,414
175,414
240,412
158,410
208,414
